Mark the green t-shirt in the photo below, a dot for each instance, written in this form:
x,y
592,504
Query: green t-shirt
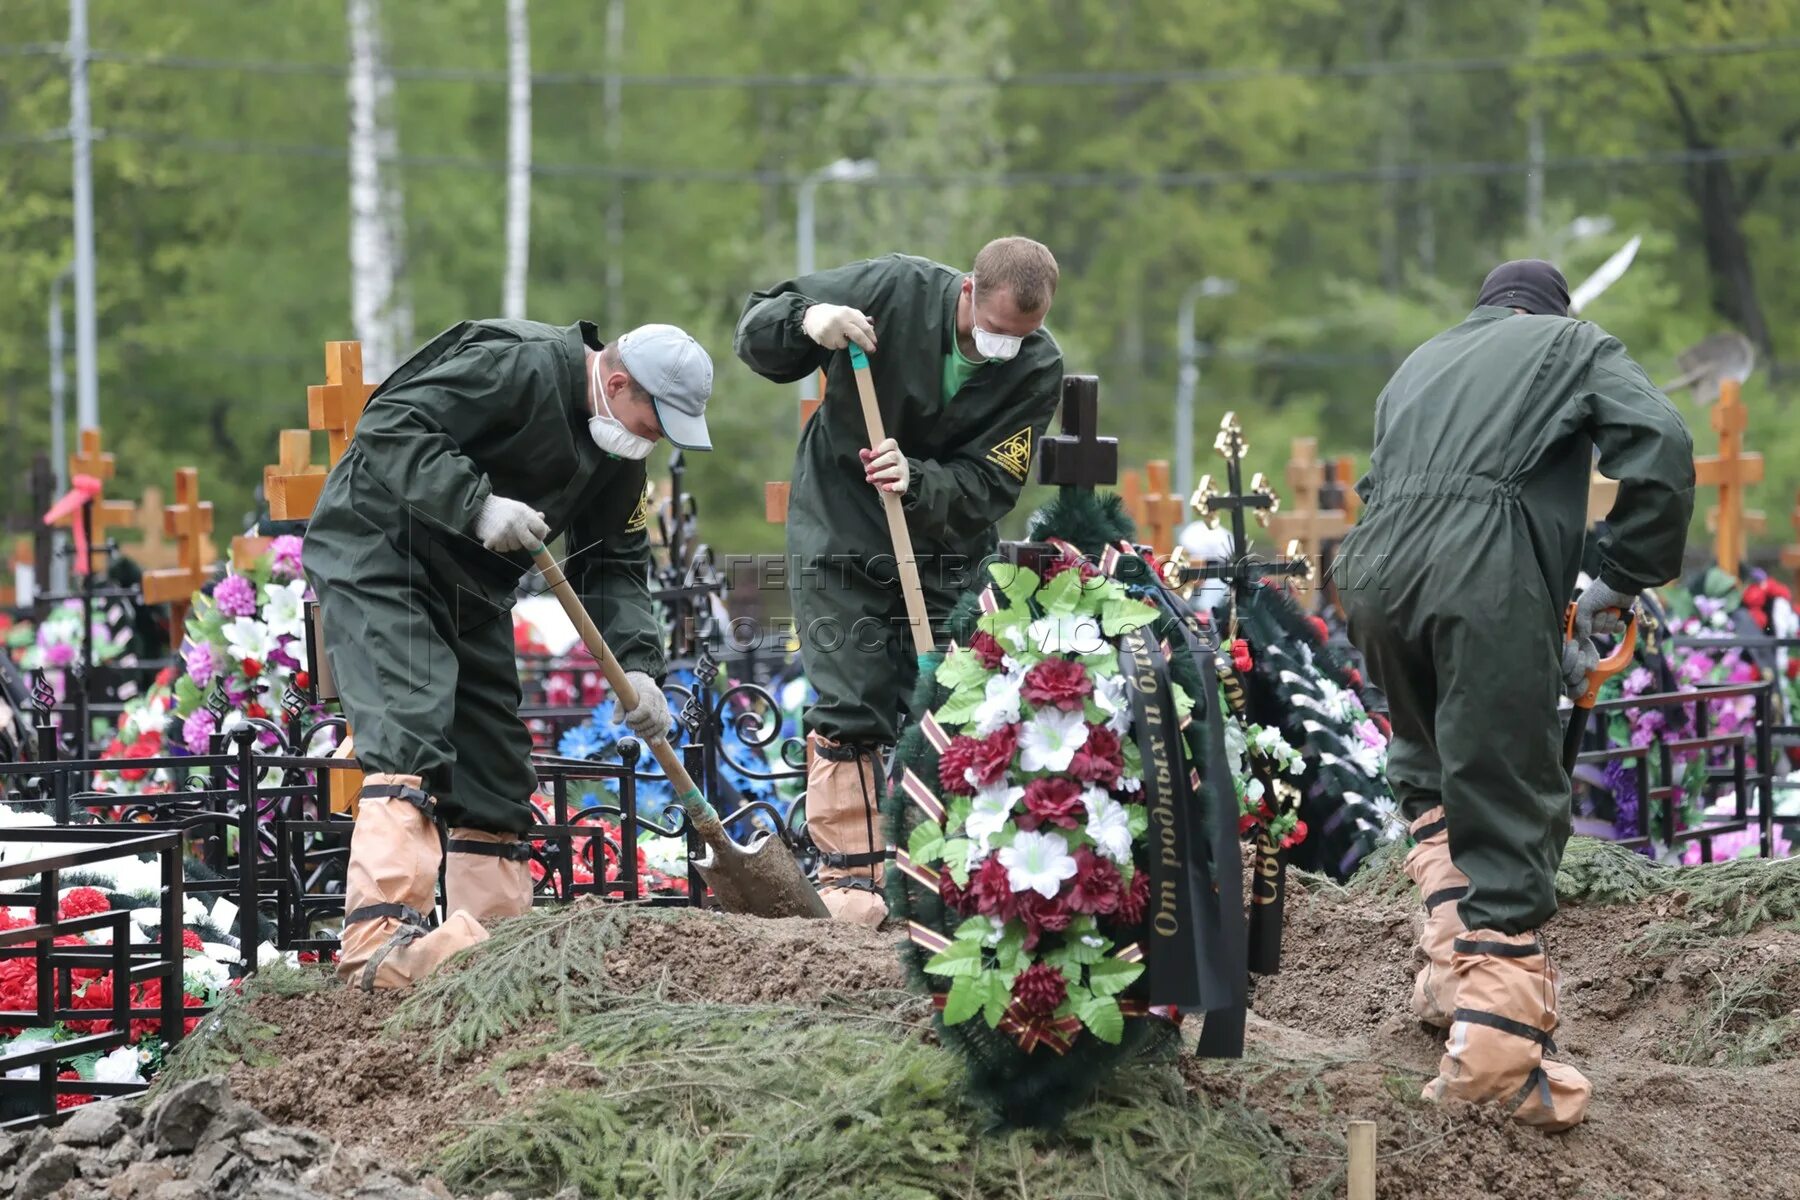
x,y
957,370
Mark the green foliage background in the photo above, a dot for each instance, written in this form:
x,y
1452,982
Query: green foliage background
x,y
1356,203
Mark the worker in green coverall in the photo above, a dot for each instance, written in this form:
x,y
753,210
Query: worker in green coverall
x,y
494,438
968,378
1456,581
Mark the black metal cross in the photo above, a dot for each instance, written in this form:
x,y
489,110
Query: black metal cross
x,y
1261,501
1079,456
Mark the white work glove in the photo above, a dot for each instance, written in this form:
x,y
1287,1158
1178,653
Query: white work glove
x,y
505,525
835,326
650,720
886,467
1579,658
1600,611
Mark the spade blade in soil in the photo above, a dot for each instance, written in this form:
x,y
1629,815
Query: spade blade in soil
x,y
760,878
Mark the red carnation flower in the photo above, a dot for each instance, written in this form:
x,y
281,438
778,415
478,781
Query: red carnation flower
x,y
987,649
165,677
1296,837
1042,916
1246,823
956,899
190,940
253,709
252,668
1240,656
1057,681
1775,589
1355,677
302,679
1097,886
993,755
957,758
83,902
1320,628
1100,759
1040,989
1793,668
991,891
96,994
149,995
1055,801
71,1101
1136,899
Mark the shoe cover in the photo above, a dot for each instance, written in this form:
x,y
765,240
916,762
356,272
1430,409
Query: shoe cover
x,y
1440,885
843,817
857,905
488,887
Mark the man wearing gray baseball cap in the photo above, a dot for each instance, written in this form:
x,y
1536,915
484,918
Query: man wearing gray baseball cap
x,y
493,439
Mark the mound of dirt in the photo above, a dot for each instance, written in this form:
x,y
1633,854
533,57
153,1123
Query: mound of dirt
x,y
1690,1036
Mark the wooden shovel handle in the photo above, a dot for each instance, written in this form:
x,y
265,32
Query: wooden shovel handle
x,y
916,615
615,674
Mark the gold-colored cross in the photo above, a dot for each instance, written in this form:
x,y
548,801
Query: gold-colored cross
x,y
1731,470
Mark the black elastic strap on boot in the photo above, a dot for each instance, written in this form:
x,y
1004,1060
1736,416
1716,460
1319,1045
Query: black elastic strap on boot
x,y
1476,1016
403,935
404,913
401,791
845,861
1442,894
1430,831
511,851
854,884
1497,949
1533,1082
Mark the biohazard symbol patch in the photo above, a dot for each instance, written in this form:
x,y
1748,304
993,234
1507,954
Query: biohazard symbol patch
x,y
640,516
1014,454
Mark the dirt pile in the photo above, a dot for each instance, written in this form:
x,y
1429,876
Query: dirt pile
x,y
678,1054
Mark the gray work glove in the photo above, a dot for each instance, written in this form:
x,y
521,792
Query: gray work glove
x,y
650,720
505,525
835,326
1579,658
1595,614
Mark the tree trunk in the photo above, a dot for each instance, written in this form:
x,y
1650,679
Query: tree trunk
x,y
379,310
1727,252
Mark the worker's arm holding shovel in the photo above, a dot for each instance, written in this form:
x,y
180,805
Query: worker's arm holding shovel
x,y
612,576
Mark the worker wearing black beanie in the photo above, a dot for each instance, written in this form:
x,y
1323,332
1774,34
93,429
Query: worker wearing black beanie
x,y
1528,283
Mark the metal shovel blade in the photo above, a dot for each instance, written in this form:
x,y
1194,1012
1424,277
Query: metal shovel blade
x,y
760,877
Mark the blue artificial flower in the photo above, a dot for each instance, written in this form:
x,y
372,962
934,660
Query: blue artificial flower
x,y
580,742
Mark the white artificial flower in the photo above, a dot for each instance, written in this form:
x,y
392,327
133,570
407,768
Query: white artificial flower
x,y
285,610
1011,638
1013,668
1037,862
996,930
1092,941
248,638
21,1046
1001,706
1783,618
1253,791
988,814
1130,784
1050,740
1108,825
197,969
1110,696
121,1066
1073,634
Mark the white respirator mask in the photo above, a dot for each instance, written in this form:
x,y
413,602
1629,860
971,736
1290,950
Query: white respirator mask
x,y
995,347
609,433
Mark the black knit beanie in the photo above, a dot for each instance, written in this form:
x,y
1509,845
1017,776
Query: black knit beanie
x,y
1528,283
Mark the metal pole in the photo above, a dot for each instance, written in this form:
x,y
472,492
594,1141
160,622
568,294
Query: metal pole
x,y
1186,381
87,371
803,239
611,99
59,422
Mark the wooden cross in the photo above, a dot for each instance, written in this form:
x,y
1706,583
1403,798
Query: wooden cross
x,y
107,514
292,483
1079,456
151,551
189,520
336,405
1131,491
1308,525
22,556
1730,470
1790,554
1343,476
1162,508
1601,494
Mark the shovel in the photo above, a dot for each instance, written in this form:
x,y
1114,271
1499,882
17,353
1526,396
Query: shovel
x,y
1609,666
762,878
916,615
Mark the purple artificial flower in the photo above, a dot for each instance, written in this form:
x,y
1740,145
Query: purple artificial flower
x,y
281,657
198,657
235,596
197,730
59,654
284,554
1639,682
1621,781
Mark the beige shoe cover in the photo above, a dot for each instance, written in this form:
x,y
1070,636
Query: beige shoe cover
x,y
488,875
1506,992
843,817
392,878
1441,885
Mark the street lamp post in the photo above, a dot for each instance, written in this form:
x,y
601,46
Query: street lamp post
x,y
1189,353
844,170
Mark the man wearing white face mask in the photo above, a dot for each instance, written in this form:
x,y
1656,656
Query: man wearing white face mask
x,y
493,439
968,378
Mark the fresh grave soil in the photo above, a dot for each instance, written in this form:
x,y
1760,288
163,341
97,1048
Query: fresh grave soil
x,y
1691,1037
1690,1042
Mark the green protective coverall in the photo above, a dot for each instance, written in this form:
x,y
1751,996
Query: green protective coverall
x,y
969,455
1456,578
417,613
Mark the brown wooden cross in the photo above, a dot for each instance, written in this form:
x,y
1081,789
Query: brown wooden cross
x,y
1344,474
23,555
336,405
1790,553
1602,492
152,551
292,483
1730,470
1131,491
775,493
90,459
1163,509
1305,524
189,520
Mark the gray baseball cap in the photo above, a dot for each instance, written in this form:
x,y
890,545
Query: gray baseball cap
x,y
672,367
